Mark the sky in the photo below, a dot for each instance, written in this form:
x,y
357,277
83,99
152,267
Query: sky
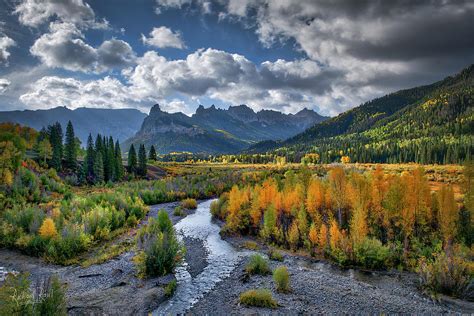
x,y
286,55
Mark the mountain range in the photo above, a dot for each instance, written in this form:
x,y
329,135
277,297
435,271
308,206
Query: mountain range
x,y
432,123
214,130
119,123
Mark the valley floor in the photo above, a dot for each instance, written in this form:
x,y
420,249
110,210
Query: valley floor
x,y
111,288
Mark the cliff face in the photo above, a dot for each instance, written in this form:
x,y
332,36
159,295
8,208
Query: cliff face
x,y
216,130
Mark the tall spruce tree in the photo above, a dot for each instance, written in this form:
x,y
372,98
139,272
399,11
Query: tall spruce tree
x,y
152,154
98,168
119,172
109,166
132,159
89,160
70,148
55,133
142,160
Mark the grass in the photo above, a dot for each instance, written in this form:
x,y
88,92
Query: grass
x,y
257,265
281,277
275,255
170,288
189,204
108,252
258,298
178,211
251,245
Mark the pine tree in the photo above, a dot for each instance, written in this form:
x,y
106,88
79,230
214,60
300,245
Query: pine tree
x,y
132,159
142,160
99,168
70,149
119,172
89,160
152,154
55,134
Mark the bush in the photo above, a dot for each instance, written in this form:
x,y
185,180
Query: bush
x,y
178,211
371,254
170,288
50,298
446,274
275,255
281,277
189,204
258,298
15,296
257,265
160,249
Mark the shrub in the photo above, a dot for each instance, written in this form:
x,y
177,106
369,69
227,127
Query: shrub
x,y
178,211
50,298
275,255
370,253
257,265
170,288
218,207
160,249
251,245
15,296
258,298
446,274
189,204
281,277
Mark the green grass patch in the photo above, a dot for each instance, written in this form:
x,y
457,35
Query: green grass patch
x,y
258,298
281,277
257,265
251,245
275,255
170,288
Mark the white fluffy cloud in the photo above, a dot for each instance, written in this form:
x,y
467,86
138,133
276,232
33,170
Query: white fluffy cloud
x,y
64,47
5,44
53,91
163,37
4,83
36,12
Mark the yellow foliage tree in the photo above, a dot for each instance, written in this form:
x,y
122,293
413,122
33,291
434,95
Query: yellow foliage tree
x,y
313,235
323,237
315,197
335,235
294,235
48,229
448,214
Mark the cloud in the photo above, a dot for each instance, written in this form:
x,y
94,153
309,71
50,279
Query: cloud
x,y
53,91
36,12
163,37
4,83
5,43
64,47
232,78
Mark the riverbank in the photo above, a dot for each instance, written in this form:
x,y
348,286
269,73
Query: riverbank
x,y
109,288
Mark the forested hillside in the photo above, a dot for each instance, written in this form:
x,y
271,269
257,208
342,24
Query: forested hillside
x,y
429,124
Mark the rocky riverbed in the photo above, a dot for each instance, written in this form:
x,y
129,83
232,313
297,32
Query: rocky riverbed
x,y
212,277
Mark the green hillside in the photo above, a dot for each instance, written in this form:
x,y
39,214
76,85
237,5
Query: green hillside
x,y
428,124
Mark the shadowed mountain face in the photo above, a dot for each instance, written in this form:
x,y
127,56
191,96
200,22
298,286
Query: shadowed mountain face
x,y
119,123
214,130
439,113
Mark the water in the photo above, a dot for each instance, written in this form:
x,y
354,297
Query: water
x,y
222,259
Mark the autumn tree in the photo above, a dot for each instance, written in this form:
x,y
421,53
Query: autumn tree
x,y
48,229
337,186
359,195
448,214
45,150
315,197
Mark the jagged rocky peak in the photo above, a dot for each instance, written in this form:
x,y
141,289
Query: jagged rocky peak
x,y
155,109
242,112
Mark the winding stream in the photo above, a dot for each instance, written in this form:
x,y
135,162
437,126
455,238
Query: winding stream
x,y
221,261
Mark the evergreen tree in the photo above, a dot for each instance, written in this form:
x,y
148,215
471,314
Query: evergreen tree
x,y
99,168
110,160
119,172
89,160
132,159
70,148
55,134
142,160
152,154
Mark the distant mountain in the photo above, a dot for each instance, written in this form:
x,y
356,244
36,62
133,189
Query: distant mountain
x,y
214,130
120,123
432,123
